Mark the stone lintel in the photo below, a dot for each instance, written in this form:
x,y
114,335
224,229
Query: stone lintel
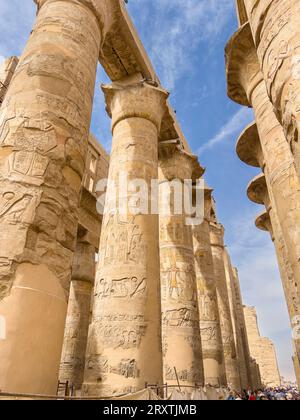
x,y
257,190
242,66
248,147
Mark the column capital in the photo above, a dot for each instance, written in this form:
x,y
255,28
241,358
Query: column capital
x,y
104,10
217,233
135,100
248,147
257,191
242,66
176,163
263,222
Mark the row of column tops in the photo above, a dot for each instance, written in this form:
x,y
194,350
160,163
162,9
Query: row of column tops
x,y
242,66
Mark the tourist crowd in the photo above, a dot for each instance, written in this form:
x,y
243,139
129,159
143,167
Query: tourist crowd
x,y
269,394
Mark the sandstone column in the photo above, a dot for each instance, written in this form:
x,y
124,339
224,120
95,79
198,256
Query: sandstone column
x,y
212,346
7,70
124,345
275,28
246,86
230,354
236,321
258,193
44,127
250,151
242,331
180,315
78,316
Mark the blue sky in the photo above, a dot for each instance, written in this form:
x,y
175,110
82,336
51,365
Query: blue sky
x,y
185,40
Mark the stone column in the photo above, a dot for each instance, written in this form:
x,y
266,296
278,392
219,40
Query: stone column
x,y
212,346
230,354
250,151
180,315
258,193
235,319
243,330
124,345
7,70
275,26
44,127
246,86
78,315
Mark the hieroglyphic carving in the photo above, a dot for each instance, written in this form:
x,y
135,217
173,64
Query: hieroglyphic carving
x,y
121,288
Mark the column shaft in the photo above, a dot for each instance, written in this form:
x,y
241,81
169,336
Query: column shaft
x,y
78,316
212,347
276,30
44,127
124,345
237,327
181,339
230,354
284,189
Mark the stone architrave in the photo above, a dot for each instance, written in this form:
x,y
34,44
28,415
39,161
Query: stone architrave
x,y
247,87
181,338
212,346
229,348
44,129
275,26
124,345
78,315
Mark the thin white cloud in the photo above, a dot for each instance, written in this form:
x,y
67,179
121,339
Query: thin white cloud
x,y
173,30
232,127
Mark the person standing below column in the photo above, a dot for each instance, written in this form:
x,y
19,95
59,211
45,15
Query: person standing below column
x,y
180,315
212,346
78,316
230,353
124,344
44,128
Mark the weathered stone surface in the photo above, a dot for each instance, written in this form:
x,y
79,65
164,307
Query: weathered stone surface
x,y
230,353
245,357
275,27
78,315
7,70
212,346
262,350
44,128
258,192
271,152
237,322
181,339
124,345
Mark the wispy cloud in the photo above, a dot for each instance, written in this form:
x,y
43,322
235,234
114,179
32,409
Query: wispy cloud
x,y
173,31
232,127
